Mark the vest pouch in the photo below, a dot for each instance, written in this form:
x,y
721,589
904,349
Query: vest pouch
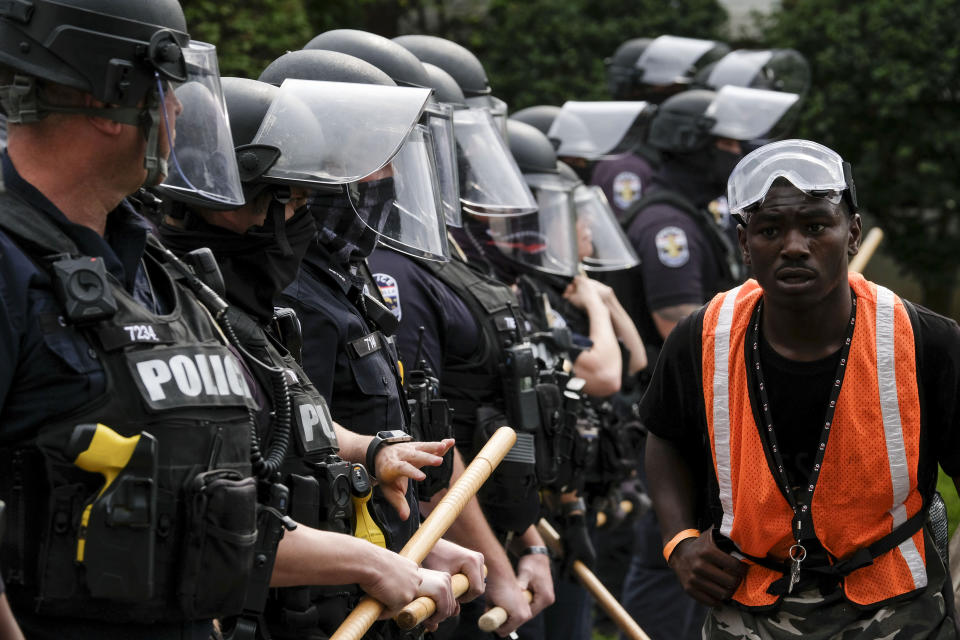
x,y
510,497
219,543
550,402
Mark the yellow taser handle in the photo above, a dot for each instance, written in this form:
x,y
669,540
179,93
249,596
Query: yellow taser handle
x,y
367,527
107,454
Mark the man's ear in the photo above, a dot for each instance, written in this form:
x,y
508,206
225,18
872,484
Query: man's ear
x,y
744,249
855,234
104,125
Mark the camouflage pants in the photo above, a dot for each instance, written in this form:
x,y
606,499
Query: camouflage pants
x,y
812,616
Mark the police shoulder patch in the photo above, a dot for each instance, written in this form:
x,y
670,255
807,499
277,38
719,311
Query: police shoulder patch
x,y
672,247
626,189
390,292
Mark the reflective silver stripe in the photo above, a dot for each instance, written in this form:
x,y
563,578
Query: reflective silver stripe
x,y
721,407
893,429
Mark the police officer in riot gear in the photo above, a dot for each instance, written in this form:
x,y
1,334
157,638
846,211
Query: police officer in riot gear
x,y
449,316
259,248
655,69
121,402
361,381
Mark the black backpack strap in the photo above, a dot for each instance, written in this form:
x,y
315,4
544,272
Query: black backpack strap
x,y
660,196
32,229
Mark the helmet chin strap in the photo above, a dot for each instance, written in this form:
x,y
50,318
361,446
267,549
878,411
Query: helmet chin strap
x,y
150,127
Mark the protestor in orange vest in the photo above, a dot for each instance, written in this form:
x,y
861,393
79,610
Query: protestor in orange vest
x,y
792,479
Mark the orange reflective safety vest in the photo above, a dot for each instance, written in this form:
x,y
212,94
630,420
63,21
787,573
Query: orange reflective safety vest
x,y
868,480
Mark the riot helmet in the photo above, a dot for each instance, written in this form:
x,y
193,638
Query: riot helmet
x,y
687,122
540,116
661,68
601,243
403,67
372,145
772,69
546,239
465,68
126,54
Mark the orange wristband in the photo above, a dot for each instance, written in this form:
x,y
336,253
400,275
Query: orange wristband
x,y
677,539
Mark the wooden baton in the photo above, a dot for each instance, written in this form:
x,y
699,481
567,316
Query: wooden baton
x,y
424,606
436,524
867,249
494,617
603,597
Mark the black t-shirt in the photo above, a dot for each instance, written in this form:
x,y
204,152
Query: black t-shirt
x,y
673,407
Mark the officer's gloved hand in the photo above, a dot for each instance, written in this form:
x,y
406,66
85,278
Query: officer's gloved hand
x,y
576,543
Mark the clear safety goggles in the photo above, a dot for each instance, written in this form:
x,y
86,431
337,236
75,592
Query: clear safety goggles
x,y
545,240
440,122
406,212
669,59
594,130
202,165
334,133
602,244
810,167
496,107
490,181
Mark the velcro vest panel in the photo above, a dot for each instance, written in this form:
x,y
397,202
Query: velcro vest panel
x,y
166,375
476,381
868,481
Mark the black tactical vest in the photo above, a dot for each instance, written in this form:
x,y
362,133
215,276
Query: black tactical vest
x,y
485,394
318,480
171,538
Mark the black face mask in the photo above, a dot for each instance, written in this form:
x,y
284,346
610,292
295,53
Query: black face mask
x,y
256,265
721,166
344,221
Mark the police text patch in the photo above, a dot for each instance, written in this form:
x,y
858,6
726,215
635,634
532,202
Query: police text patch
x,y
626,189
201,376
672,247
314,424
390,292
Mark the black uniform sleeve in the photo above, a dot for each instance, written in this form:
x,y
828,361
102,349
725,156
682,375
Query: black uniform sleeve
x,y
672,407
940,386
673,254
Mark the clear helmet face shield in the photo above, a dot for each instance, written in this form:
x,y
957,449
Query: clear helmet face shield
x,y
669,59
490,181
402,203
601,242
594,130
335,133
741,113
546,239
202,166
497,108
774,69
811,167
440,122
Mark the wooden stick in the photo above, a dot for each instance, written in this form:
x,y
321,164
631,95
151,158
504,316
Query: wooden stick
x,y
494,618
436,524
867,248
625,505
603,597
424,606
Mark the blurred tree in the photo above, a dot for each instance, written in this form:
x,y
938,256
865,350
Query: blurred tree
x,y
886,96
250,35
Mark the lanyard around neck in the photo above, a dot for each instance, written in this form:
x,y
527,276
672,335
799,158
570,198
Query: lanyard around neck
x,y
799,502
